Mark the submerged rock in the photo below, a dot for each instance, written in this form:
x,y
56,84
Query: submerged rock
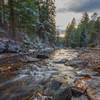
x,y
76,63
39,96
29,59
62,61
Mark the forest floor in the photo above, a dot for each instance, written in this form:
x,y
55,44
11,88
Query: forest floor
x,y
63,74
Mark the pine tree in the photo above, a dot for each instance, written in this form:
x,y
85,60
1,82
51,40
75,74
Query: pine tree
x,y
83,37
19,16
85,19
92,29
84,26
97,27
70,31
47,19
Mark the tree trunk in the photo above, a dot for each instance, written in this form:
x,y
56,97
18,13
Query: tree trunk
x,y
0,12
39,10
2,15
12,20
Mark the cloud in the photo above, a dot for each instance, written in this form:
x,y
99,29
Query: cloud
x,y
61,10
80,6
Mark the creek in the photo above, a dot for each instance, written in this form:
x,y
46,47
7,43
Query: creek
x,y
23,83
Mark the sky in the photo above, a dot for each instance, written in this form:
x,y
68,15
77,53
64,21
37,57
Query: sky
x,y
67,9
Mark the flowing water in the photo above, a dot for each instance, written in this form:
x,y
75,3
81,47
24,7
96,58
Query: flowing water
x,y
21,84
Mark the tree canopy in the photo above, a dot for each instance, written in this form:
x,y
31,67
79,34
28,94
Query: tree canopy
x,y
34,17
85,33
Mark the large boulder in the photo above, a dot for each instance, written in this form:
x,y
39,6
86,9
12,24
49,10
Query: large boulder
x,y
93,90
45,53
64,93
2,47
14,48
9,46
80,86
59,90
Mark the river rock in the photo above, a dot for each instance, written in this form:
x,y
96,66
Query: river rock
x,y
39,96
29,59
75,63
83,97
79,87
48,50
93,91
62,61
44,53
2,47
9,46
14,48
42,56
64,93
31,51
59,90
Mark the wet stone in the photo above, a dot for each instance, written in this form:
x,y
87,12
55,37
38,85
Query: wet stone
x,y
42,56
80,86
62,61
2,47
64,93
10,46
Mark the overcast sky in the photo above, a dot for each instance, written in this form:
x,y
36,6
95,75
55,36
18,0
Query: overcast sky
x,y
67,9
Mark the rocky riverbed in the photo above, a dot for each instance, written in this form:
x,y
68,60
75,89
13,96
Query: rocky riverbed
x,y
62,76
